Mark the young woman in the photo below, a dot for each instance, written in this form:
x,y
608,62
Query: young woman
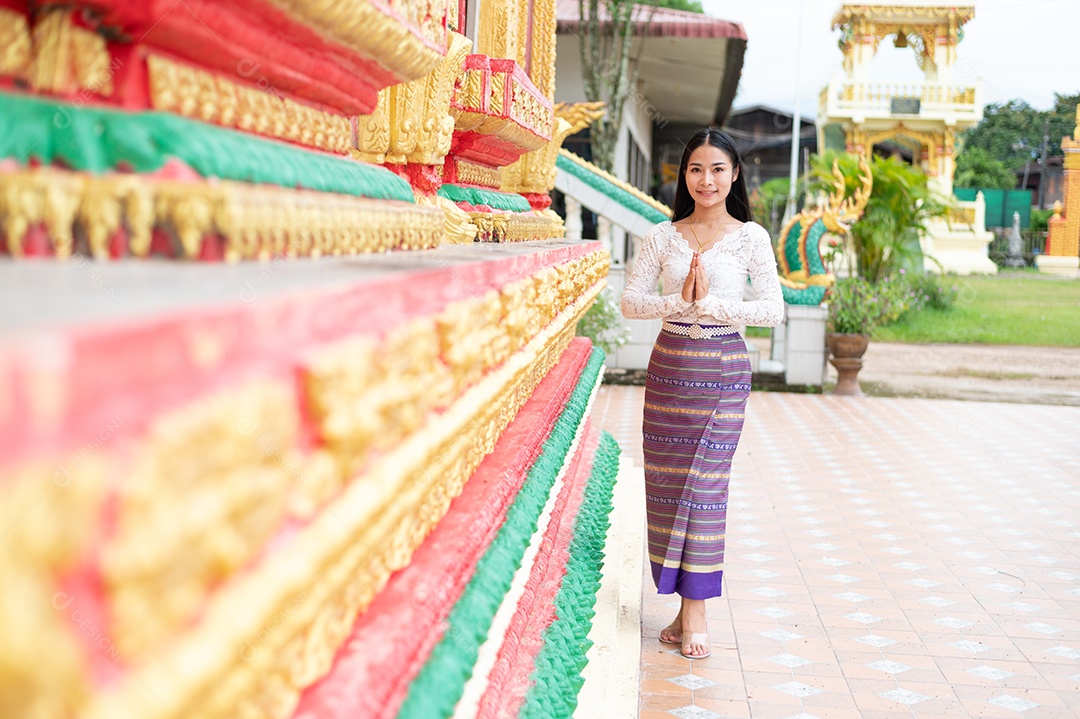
x,y
698,379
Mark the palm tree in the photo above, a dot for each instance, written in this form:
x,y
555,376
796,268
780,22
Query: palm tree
x,y
886,238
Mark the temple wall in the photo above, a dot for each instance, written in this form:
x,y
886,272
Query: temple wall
x,y
293,418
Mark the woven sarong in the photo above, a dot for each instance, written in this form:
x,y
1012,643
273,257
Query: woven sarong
x,y
695,402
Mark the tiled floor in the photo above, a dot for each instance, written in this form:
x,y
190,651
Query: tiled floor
x,y
886,558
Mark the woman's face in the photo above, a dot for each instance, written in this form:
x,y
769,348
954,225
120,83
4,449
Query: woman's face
x,y
709,175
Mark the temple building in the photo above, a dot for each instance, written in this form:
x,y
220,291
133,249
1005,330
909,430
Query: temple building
x,y
293,417
919,121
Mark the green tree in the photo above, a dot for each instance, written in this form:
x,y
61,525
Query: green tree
x,y
1009,131
1015,132
687,5
608,28
1062,120
886,238
976,168
768,200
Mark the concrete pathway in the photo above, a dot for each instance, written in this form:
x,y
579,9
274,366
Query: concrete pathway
x,y
1043,375
887,557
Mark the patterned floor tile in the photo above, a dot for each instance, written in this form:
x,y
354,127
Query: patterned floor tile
x,y
917,522
797,689
1015,703
875,641
905,696
889,667
693,712
987,672
691,681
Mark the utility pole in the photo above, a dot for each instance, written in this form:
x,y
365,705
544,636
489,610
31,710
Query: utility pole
x,y
1042,159
796,122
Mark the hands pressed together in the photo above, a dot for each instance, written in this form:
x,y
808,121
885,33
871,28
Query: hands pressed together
x,y
696,286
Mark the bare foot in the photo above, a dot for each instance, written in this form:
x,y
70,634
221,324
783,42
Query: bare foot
x,y
672,633
693,623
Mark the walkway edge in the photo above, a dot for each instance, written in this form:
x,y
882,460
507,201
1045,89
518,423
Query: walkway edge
x,y
612,676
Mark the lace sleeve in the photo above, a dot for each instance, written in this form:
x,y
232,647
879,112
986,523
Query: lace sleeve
x,y
768,309
640,300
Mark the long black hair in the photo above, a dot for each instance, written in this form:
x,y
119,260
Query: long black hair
x,y
738,202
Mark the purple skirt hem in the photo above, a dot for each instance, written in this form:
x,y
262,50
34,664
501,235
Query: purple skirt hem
x,y
689,585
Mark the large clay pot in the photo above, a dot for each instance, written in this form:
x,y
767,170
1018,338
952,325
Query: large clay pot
x,y
847,351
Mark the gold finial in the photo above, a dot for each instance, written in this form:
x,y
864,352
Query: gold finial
x,y
580,114
1076,130
1057,209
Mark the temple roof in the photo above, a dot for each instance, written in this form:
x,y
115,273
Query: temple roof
x,y
689,64
665,22
912,12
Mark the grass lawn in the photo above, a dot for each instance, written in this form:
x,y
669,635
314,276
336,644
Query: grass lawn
x,y
1013,308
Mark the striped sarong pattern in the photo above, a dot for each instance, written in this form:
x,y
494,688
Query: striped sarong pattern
x,y
695,402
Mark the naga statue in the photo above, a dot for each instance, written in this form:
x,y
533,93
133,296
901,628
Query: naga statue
x,y
804,278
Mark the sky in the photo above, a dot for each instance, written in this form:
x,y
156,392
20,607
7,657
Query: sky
x,y
1026,49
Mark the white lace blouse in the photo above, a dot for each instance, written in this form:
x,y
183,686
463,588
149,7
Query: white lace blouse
x,y
744,253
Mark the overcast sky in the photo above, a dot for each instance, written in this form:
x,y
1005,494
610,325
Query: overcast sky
x,y
1026,49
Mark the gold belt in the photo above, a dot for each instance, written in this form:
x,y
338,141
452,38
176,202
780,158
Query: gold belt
x,y
697,332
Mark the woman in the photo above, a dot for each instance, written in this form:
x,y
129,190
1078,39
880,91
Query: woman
x,y
698,379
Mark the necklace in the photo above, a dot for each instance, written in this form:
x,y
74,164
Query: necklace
x,y
701,244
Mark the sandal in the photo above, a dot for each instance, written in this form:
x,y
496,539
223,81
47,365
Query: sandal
x,y
668,641
698,639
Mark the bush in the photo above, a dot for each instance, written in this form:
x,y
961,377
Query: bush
x,y
886,238
932,291
857,306
602,323
976,168
1040,220
768,201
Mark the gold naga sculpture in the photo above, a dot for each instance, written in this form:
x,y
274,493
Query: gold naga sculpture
x,y
803,275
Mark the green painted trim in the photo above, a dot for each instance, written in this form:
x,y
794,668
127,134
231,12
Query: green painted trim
x,y
439,685
813,251
556,678
99,140
476,196
608,188
791,247
812,295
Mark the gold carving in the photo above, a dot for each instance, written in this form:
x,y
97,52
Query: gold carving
x,y
498,31
14,43
535,172
470,173
384,32
373,131
458,227
185,90
521,119
437,128
962,215
274,630
498,92
67,58
528,110
580,114
255,221
516,227
521,42
542,64
421,128
921,26
471,92
406,105
933,142
51,515
207,488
